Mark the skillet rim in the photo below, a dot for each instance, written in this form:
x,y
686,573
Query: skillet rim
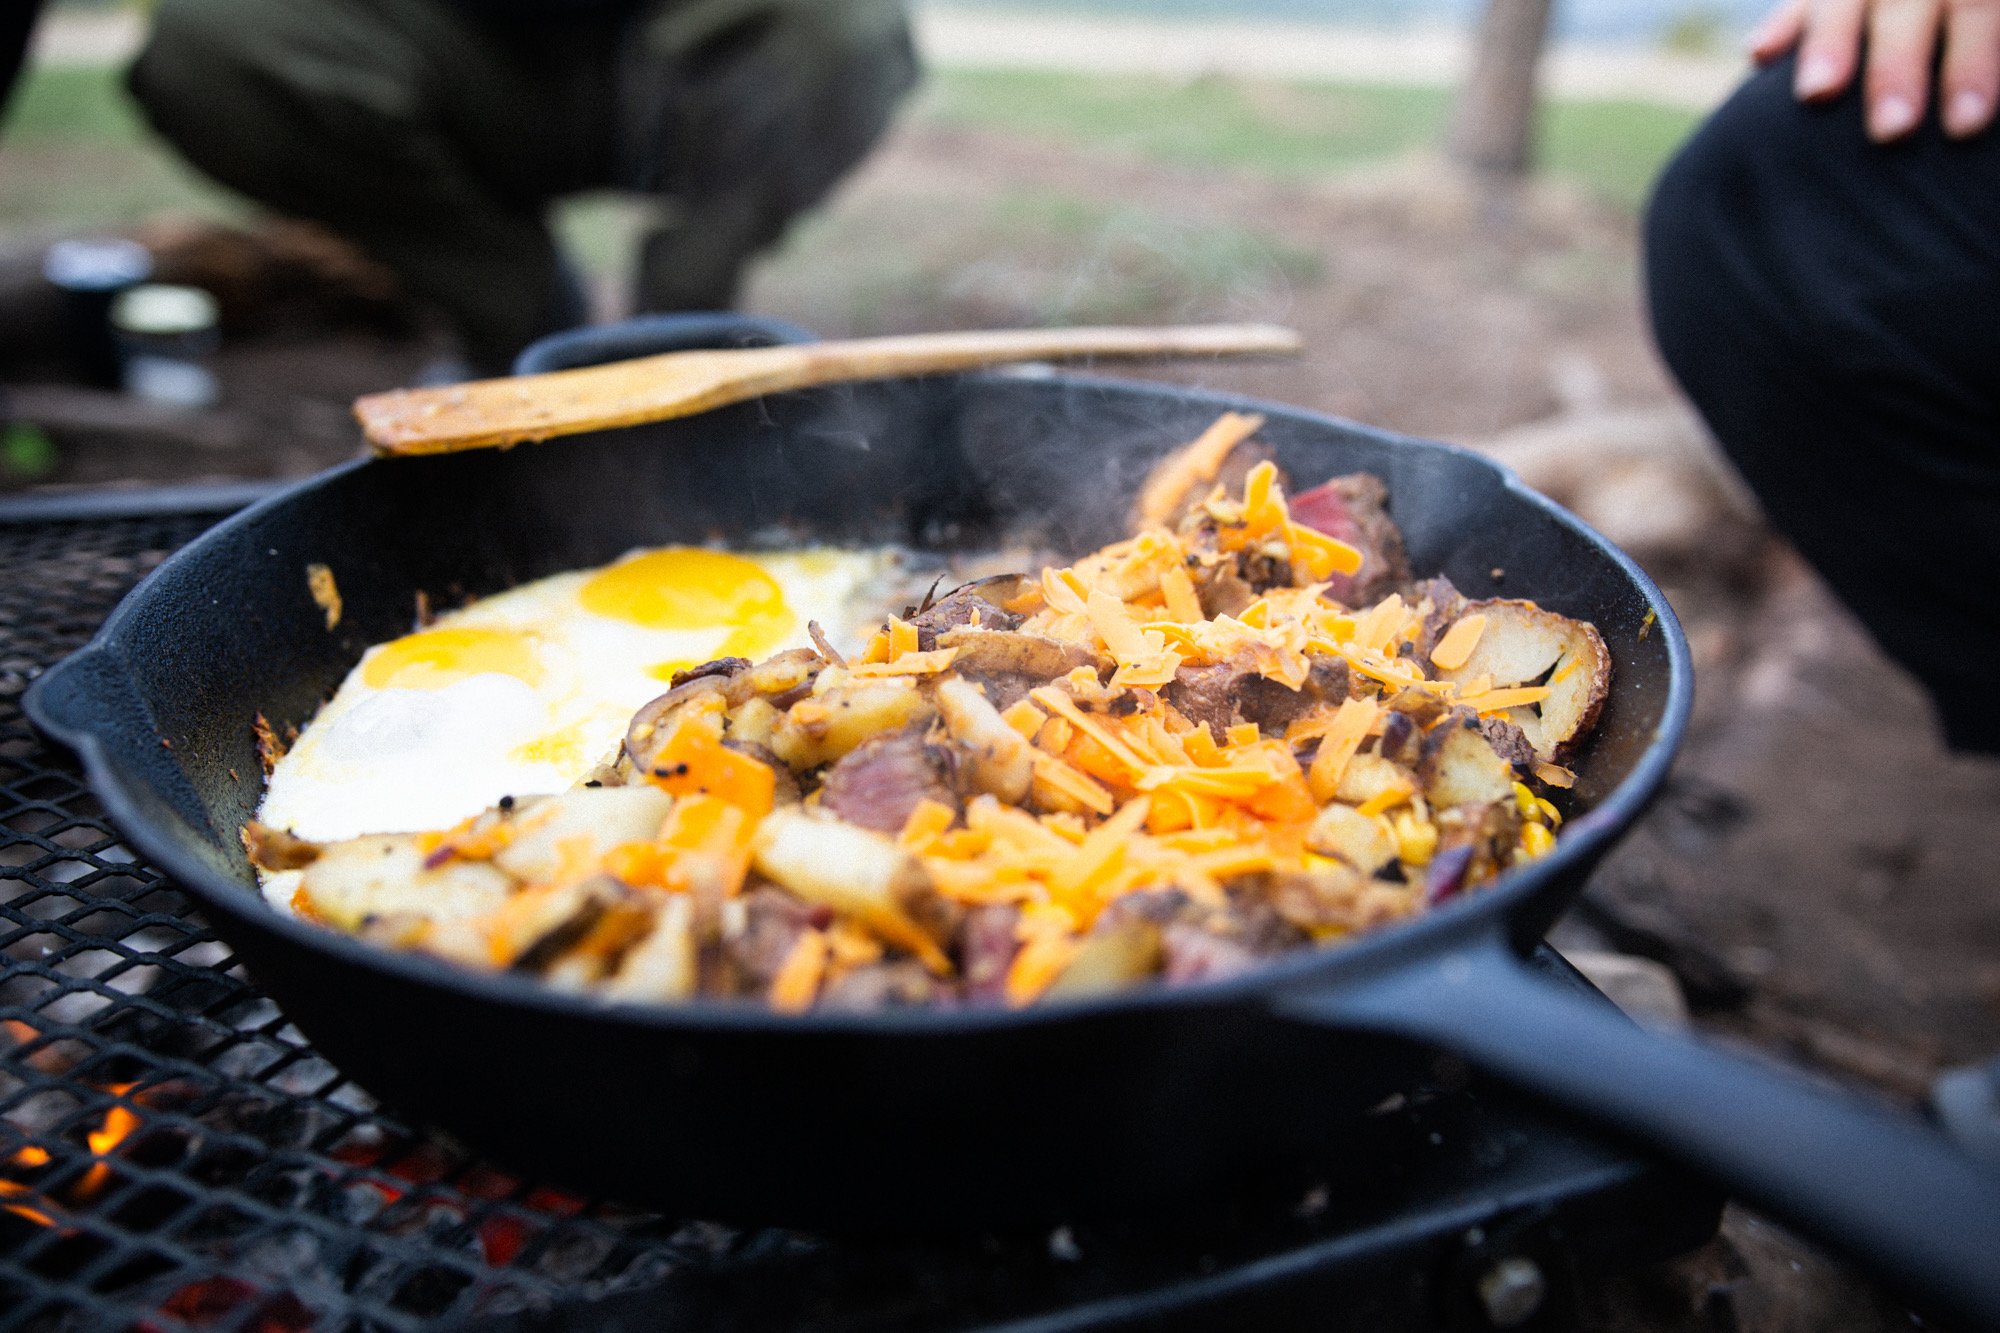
x,y
1483,914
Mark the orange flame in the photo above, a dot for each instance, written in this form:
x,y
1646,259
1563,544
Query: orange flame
x,y
8,1189
119,1122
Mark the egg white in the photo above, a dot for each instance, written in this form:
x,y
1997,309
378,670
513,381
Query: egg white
x,y
391,759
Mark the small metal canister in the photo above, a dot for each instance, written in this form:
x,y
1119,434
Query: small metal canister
x,y
91,272
167,337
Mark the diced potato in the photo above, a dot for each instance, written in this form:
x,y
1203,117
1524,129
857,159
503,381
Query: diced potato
x,y
1363,841
1002,760
754,722
1523,644
825,727
383,875
1108,960
627,918
1368,776
588,820
786,671
835,864
852,870
663,965
542,923
1461,767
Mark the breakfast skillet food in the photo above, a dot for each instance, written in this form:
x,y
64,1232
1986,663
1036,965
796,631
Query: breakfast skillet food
x,y
1242,730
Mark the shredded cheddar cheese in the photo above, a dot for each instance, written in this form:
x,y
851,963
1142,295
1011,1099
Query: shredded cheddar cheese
x,y
1119,772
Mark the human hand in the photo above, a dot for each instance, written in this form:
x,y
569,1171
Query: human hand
x,y
1902,38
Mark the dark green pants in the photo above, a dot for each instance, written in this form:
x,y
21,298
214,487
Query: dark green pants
x,y
435,133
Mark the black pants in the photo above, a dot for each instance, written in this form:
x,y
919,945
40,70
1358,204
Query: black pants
x,y
1833,308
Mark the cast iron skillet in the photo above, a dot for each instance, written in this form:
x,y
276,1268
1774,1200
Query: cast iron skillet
x,y
953,1118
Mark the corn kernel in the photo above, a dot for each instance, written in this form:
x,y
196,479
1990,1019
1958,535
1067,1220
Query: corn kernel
x,y
1416,839
1536,840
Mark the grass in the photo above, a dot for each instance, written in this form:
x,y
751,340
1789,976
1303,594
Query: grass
x,y
1613,149
1023,257
77,154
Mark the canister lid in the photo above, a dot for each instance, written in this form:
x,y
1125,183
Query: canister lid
x,y
97,264
158,308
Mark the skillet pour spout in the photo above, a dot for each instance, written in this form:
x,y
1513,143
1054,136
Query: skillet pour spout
x,y
966,1119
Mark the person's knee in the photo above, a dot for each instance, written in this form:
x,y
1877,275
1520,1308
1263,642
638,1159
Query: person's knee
x,y
1755,224
198,55
1712,211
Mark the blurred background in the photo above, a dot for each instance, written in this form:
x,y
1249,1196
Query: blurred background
x,y
1818,881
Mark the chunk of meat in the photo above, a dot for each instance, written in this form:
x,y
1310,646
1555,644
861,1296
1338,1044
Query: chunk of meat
x,y
1509,742
986,948
1216,944
1223,590
980,600
1401,741
901,984
1221,696
1009,663
771,923
1206,695
1447,605
1355,509
1274,705
878,783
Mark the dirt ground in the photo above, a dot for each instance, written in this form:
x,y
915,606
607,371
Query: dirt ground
x,y
1820,875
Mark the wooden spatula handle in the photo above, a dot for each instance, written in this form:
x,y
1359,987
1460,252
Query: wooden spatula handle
x,y
655,388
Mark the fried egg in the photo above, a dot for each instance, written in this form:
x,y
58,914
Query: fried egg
x,y
525,692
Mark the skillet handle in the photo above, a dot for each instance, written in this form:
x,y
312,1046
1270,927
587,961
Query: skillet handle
x,y
1882,1189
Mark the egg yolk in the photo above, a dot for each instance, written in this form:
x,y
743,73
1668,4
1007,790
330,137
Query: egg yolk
x,y
435,658
687,588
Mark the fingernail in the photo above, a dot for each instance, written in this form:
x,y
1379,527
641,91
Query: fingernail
x,y
1816,75
1966,113
1891,115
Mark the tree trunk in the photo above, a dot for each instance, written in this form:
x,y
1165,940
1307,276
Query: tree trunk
x,y
1493,125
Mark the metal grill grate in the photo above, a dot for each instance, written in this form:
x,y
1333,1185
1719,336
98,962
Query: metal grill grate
x,y
173,1155
169,1146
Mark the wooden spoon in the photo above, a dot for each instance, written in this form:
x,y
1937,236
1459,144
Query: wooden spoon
x,y
500,412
